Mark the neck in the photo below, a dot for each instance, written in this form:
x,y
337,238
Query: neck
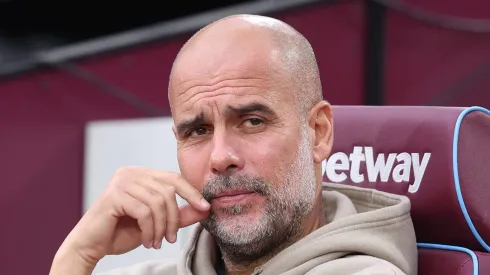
x,y
311,223
234,267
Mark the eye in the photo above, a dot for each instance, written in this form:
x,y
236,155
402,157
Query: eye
x,y
254,121
197,132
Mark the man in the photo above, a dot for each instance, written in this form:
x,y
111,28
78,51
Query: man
x,y
252,130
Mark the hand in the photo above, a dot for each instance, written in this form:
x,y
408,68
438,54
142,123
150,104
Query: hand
x,y
138,207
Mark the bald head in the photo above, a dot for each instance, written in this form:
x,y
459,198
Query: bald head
x,y
241,38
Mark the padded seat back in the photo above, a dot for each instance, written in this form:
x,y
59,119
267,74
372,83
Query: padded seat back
x,y
439,157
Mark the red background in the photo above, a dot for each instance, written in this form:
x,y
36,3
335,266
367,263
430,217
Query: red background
x,y
44,112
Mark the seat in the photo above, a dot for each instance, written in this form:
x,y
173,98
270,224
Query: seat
x,y
439,157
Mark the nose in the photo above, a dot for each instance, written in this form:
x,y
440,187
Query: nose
x,y
224,158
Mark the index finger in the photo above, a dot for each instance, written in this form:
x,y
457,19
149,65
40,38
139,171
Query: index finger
x,y
183,188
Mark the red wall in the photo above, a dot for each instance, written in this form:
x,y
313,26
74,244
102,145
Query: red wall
x,y
43,113
430,65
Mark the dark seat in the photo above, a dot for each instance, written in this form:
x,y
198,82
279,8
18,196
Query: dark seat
x,y
439,157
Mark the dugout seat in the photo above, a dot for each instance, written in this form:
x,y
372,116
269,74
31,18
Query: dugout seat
x,y
439,157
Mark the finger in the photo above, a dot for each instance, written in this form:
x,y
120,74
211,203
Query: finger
x,y
183,188
172,215
140,212
155,201
188,215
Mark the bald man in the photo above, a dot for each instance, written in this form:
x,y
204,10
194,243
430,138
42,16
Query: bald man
x,y
252,130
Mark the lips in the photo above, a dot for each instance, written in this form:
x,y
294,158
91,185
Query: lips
x,y
231,193
232,197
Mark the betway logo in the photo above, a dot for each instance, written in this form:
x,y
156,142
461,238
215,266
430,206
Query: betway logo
x,y
340,166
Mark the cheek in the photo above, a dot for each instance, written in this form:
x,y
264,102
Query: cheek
x,y
271,157
193,166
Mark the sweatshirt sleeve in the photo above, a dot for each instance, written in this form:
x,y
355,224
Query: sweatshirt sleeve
x,y
145,268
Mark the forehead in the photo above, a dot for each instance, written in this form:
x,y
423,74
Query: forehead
x,y
228,89
232,72
214,57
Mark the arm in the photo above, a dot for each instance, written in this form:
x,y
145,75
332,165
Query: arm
x,y
150,267
138,207
70,263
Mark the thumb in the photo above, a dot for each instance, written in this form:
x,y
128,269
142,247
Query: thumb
x,y
189,215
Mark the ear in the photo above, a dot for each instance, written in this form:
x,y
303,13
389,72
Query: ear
x,y
320,119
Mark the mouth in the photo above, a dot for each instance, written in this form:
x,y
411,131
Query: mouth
x,y
232,197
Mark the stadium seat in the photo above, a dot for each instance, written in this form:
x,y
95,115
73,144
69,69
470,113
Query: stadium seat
x,y
439,157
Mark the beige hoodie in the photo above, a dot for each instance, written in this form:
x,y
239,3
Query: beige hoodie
x,y
367,232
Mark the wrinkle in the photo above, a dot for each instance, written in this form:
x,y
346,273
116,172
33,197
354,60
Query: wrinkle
x,y
224,91
226,83
217,79
206,82
188,105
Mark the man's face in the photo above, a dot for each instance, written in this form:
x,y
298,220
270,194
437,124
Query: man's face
x,y
243,144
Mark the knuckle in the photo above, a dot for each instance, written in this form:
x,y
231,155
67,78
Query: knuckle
x,y
127,170
113,190
121,171
197,194
160,226
120,176
158,201
174,176
173,220
160,229
145,212
124,175
118,186
170,190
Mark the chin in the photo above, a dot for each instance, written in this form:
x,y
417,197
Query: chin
x,y
236,225
237,216
247,236
239,222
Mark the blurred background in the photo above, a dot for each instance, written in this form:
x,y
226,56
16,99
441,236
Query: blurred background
x,y
83,90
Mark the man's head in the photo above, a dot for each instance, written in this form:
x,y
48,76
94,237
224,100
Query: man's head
x,y
252,131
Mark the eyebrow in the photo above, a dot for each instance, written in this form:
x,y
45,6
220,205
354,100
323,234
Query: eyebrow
x,y
199,120
250,108
192,123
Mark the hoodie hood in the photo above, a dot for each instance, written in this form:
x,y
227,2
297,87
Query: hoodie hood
x,y
364,229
